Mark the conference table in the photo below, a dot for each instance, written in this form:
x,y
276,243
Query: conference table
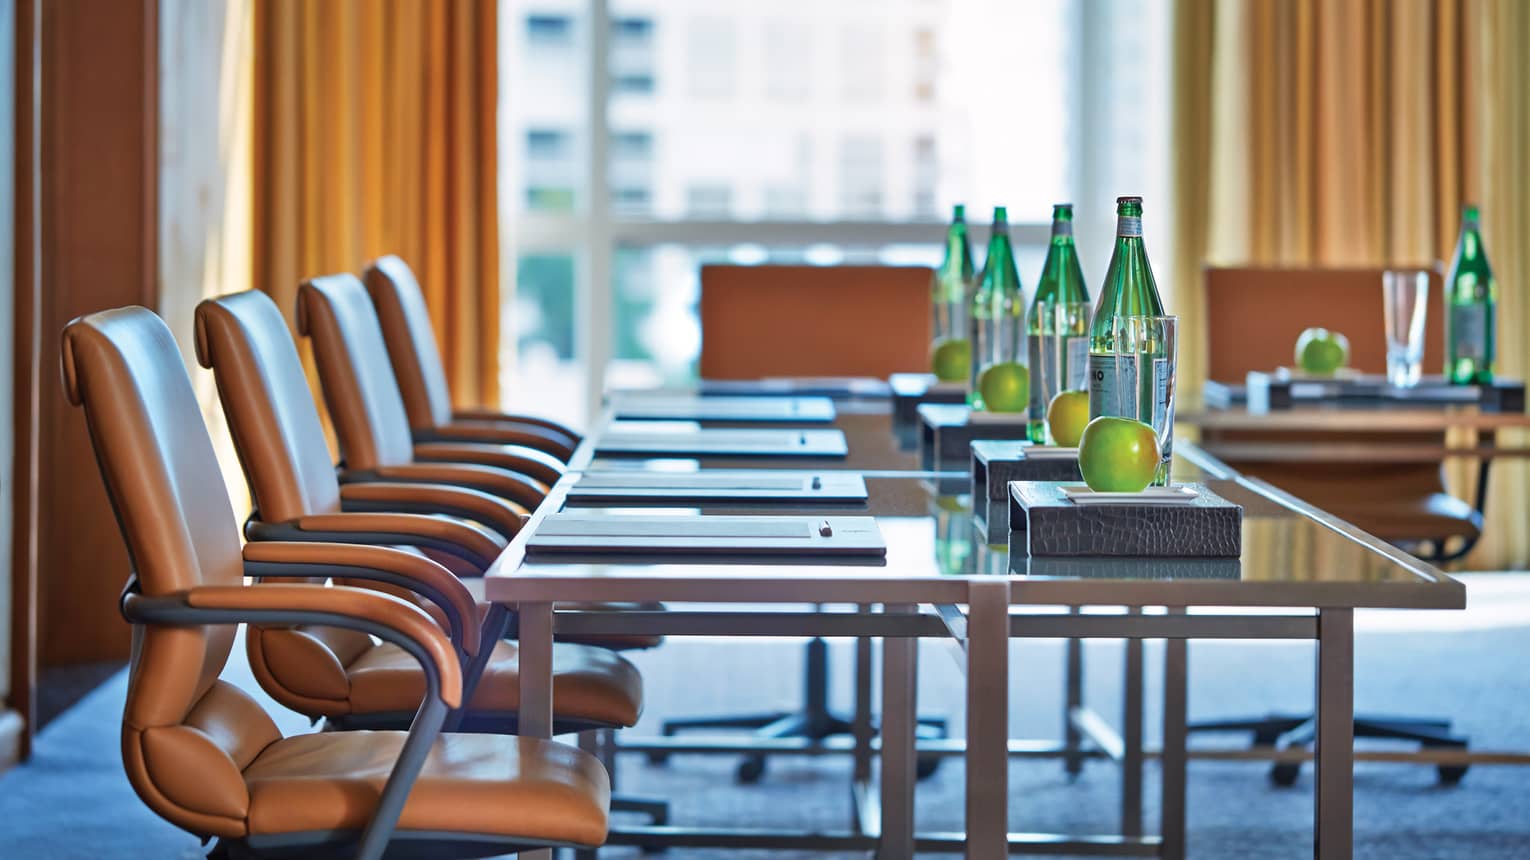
x,y
1311,568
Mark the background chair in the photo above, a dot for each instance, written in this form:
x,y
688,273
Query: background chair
x,y
765,321
334,674
205,756
761,321
1253,317
442,432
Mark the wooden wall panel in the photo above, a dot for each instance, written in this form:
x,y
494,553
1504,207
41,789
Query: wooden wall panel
x,y
98,183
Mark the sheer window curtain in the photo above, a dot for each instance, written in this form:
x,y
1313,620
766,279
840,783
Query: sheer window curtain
x,y
374,134
1350,132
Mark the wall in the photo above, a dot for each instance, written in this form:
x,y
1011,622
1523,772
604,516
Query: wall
x,y
205,108
7,308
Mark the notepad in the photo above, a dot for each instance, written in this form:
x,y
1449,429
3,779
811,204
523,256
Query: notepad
x,y
661,407
720,486
573,532
725,442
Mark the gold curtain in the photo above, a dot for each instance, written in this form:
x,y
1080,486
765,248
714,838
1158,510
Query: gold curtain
x,y
1351,132
375,134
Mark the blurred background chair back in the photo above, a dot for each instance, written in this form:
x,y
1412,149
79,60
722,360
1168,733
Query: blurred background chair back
x,y
1254,315
759,321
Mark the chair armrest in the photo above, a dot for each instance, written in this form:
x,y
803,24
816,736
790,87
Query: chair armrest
x,y
537,465
474,544
378,564
411,498
507,485
502,432
373,612
470,414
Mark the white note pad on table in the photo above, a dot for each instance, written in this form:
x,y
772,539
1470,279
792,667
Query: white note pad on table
x,y
572,532
720,485
671,407
724,442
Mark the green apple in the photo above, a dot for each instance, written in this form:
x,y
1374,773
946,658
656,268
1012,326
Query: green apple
x,y
1005,387
1321,352
1118,455
1067,416
951,359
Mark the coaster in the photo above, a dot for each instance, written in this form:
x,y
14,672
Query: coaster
x,y
982,417
1156,496
1050,452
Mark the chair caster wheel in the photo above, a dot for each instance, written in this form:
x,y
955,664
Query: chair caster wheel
x,y
750,770
658,759
1451,774
926,766
1284,775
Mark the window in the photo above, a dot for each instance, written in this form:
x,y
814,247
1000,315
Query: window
x,y
807,132
632,83
549,30
543,143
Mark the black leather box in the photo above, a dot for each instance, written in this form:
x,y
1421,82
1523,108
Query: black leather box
x,y
946,433
997,462
1044,522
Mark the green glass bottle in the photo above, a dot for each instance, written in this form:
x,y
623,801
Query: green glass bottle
x,y
1117,383
1057,324
999,381
951,290
1471,308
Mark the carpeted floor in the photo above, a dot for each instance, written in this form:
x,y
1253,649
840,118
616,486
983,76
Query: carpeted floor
x,y
72,800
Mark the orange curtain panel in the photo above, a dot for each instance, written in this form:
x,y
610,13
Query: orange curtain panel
x,y
375,133
1350,133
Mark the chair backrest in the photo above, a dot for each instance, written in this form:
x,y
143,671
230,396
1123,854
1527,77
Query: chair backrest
x,y
759,321
411,342
354,371
186,736
1254,315
271,413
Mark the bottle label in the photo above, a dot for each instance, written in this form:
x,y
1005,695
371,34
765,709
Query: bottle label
x,y
1062,228
1058,363
1117,388
1468,332
1129,225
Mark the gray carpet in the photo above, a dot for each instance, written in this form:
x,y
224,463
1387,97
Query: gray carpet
x,y
72,800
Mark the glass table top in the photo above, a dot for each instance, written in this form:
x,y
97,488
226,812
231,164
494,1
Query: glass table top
x,y
1292,554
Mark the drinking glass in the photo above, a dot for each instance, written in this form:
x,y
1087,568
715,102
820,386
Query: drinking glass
x,y
1405,296
1059,354
1146,350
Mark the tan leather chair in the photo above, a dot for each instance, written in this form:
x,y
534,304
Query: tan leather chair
x,y
368,412
275,426
1253,318
763,321
336,314
442,432
204,755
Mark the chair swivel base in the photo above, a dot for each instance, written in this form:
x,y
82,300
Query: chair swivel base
x,y
1284,731
814,721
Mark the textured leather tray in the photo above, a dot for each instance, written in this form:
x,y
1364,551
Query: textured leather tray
x,y
1046,523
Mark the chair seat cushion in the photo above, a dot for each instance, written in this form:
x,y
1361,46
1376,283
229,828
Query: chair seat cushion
x,y
590,684
1435,516
484,784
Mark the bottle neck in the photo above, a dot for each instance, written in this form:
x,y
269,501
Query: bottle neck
x,y
1062,232
1129,227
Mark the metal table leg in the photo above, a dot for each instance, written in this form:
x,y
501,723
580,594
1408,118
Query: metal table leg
x,y
988,719
1131,739
536,711
900,657
1172,764
1334,820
